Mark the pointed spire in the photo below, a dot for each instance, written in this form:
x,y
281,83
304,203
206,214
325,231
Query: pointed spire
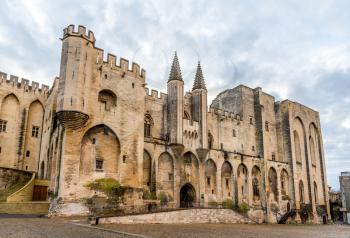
x,y
199,79
175,72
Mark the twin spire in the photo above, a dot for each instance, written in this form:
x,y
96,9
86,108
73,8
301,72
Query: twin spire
x,y
175,74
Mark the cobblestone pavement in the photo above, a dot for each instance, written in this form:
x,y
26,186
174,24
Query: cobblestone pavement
x,y
32,227
235,230
29,227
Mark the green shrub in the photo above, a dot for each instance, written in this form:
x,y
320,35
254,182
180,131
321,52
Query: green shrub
x,y
228,203
109,186
146,194
163,197
213,204
243,208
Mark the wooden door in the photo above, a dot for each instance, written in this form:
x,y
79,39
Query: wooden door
x,y
40,193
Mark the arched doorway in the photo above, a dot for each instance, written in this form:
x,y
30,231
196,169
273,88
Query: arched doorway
x,y
187,195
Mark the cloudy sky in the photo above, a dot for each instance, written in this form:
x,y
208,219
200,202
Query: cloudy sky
x,y
293,49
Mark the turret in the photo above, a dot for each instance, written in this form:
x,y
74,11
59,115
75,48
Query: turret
x,y
199,105
175,102
74,78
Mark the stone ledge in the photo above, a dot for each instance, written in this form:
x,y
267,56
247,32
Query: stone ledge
x,y
181,217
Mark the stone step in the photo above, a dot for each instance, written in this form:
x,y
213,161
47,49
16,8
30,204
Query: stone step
x,y
182,217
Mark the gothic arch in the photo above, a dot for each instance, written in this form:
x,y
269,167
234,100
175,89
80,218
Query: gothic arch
x,y
190,169
210,176
9,115
147,169
33,134
94,157
315,134
107,99
312,151
242,183
284,182
272,178
165,175
299,140
226,180
256,183
148,124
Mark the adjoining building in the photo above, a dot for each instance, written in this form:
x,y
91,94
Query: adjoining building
x,y
335,205
98,120
344,180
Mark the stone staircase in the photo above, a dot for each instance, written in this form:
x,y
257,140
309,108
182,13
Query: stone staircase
x,y
4,193
196,215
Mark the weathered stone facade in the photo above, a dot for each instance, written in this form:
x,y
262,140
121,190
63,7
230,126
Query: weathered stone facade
x,y
98,120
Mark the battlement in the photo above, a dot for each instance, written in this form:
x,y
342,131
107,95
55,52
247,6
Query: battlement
x,y
122,65
224,114
156,95
23,83
70,31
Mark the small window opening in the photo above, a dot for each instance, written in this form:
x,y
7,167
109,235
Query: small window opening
x,y
227,183
93,141
273,156
35,131
234,133
27,153
133,85
105,76
251,121
212,191
3,125
208,180
99,164
171,177
266,126
124,158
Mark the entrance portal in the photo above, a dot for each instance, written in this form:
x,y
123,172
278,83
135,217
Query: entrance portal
x,y
187,196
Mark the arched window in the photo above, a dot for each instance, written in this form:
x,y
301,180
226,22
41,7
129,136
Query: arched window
x,y
147,125
297,148
284,182
301,192
312,151
107,99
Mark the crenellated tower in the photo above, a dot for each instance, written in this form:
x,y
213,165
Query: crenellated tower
x,y
73,83
175,102
199,105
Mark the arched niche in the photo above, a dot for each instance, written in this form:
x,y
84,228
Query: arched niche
x,y
226,180
210,177
9,126
272,179
100,152
165,174
256,183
